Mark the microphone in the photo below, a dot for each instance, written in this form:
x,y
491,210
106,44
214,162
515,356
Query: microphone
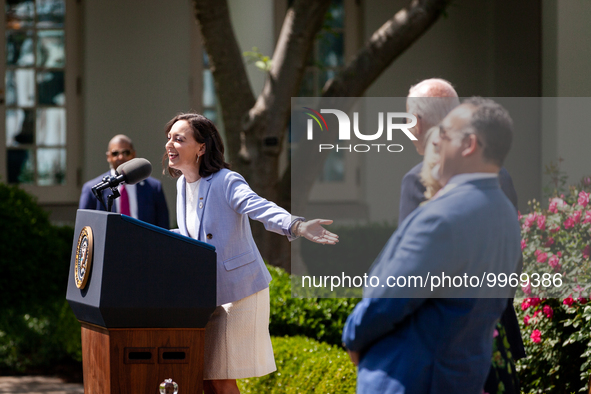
x,y
135,170
130,173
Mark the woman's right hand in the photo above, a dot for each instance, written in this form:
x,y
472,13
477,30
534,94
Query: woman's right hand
x,y
313,231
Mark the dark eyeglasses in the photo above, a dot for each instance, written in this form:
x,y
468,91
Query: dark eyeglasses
x,y
116,153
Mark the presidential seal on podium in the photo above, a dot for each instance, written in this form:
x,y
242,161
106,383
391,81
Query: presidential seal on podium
x,y
83,257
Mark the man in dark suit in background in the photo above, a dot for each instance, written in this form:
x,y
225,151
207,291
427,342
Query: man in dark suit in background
x,y
430,101
144,201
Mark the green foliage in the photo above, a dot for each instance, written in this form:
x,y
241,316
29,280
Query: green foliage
x,y
557,338
305,366
319,318
37,327
262,62
34,255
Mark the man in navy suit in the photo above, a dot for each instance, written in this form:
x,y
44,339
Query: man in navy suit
x,y
144,201
412,340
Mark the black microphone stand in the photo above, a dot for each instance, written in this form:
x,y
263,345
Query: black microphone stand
x,y
110,198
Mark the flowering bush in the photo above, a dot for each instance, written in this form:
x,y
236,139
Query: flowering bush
x,y
557,338
557,331
556,245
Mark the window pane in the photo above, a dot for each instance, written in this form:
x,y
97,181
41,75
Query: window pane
x,y
336,14
334,168
50,48
20,166
19,48
330,49
20,126
20,87
51,126
51,88
50,13
208,89
51,166
19,14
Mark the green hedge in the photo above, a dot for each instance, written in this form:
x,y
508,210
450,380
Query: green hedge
x,y
37,327
319,318
305,366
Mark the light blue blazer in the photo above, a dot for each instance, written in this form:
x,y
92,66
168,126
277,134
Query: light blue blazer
x,y
225,202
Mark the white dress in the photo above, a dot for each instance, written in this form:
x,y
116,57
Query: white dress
x,y
237,340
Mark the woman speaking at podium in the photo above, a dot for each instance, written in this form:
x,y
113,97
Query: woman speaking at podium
x,y
213,206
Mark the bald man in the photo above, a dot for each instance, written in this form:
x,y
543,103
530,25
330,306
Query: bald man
x,y
144,201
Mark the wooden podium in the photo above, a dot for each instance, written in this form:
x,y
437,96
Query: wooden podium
x,y
143,296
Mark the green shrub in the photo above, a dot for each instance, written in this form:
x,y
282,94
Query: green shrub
x,y
305,366
34,255
319,318
37,327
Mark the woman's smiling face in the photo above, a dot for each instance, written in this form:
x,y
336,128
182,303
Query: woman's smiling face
x,y
182,148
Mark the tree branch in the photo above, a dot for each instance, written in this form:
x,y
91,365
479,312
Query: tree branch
x,y
296,40
231,81
385,45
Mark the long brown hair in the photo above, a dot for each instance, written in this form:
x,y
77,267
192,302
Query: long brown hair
x,y
204,132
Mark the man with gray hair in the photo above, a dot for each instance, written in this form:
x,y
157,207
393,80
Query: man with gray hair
x,y
429,101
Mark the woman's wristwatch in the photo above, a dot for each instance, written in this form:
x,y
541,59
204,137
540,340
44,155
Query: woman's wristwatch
x,y
295,227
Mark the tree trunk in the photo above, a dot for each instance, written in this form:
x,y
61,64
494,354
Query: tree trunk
x,y
255,130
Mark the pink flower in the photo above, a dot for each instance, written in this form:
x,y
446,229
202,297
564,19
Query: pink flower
x,y
542,257
536,313
525,304
534,301
577,216
526,290
553,207
523,244
587,252
569,223
559,253
583,199
536,336
555,229
549,242
541,222
568,301
548,311
587,217
530,220
554,261
495,333
582,300
519,215
526,320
